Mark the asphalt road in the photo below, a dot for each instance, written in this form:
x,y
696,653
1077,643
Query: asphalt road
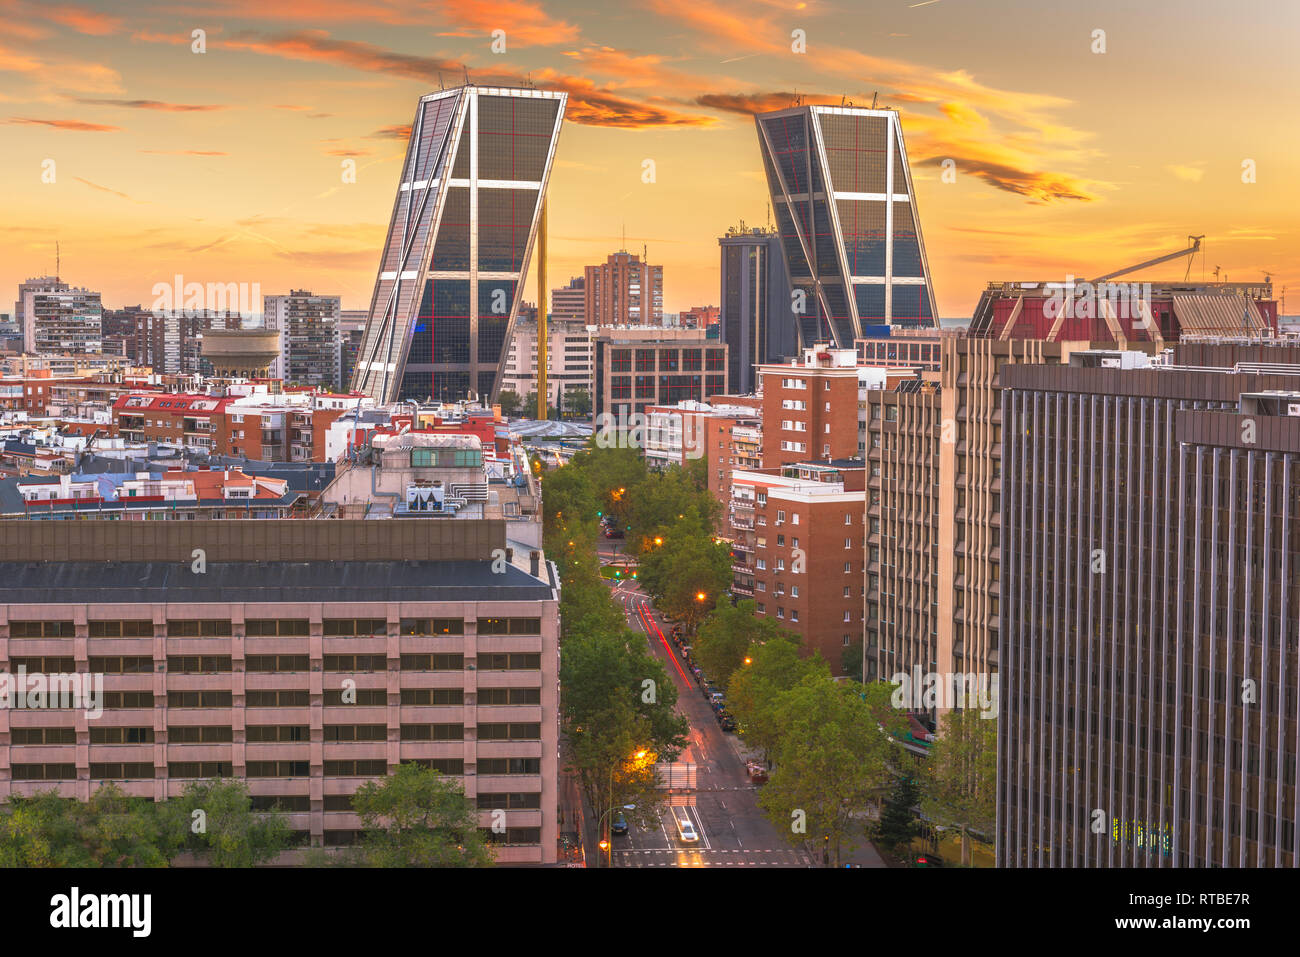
x,y
716,796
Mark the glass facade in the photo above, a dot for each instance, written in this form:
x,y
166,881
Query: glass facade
x,y
458,246
855,252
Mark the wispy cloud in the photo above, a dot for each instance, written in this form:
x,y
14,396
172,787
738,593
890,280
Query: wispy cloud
x,y
1188,174
186,152
105,189
160,105
78,126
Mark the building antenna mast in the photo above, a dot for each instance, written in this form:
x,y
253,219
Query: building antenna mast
x,y
58,262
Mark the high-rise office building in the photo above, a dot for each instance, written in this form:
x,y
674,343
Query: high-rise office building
x,y
459,241
352,330
842,196
309,337
757,321
1148,615
624,291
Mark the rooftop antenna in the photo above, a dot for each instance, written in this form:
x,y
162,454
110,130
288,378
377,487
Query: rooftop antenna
x,y
624,248
798,100
466,69
440,86
874,96
58,261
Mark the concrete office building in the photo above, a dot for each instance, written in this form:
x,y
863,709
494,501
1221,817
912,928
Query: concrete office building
x,y
242,671
569,303
570,357
1149,556
640,368
462,230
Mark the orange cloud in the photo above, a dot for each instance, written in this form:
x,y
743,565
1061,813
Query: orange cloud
x,y
19,15
522,21
747,103
186,152
74,125
588,104
155,105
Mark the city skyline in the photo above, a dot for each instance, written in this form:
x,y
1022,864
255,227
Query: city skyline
x,y
227,166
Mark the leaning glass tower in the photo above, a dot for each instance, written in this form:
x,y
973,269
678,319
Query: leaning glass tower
x,y
463,224
842,196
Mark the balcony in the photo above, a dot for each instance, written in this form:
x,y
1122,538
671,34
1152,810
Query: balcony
x,y
743,569
745,523
738,589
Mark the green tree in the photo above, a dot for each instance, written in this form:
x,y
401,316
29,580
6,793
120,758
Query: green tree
x,y
898,824
687,565
617,707
510,402
831,761
415,817
959,783
110,830
215,821
851,661
727,636
753,690
578,402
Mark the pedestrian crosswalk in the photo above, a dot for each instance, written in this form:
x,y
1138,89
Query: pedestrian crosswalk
x,y
715,857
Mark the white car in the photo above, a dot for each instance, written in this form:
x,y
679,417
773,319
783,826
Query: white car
x,y
686,831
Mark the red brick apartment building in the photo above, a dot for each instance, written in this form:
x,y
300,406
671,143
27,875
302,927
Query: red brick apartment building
x,y
810,407
798,550
221,424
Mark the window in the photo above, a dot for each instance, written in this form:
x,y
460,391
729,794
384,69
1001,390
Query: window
x,y
794,519
760,608
794,591
794,614
196,734
780,517
847,616
848,543
848,519
780,613
509,626
848,566
271,627
351,627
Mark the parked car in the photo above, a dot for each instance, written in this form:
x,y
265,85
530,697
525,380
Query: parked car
x,y
757,773
927,860
613,533
727,722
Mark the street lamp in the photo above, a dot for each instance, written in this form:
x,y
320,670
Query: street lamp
x,y
607,845
700,596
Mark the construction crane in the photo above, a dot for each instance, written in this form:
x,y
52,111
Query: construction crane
x,y
1194,246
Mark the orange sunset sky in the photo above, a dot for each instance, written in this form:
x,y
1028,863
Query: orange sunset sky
x,y
224,166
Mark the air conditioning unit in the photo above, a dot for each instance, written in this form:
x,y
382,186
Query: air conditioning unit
x,y
1293,408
